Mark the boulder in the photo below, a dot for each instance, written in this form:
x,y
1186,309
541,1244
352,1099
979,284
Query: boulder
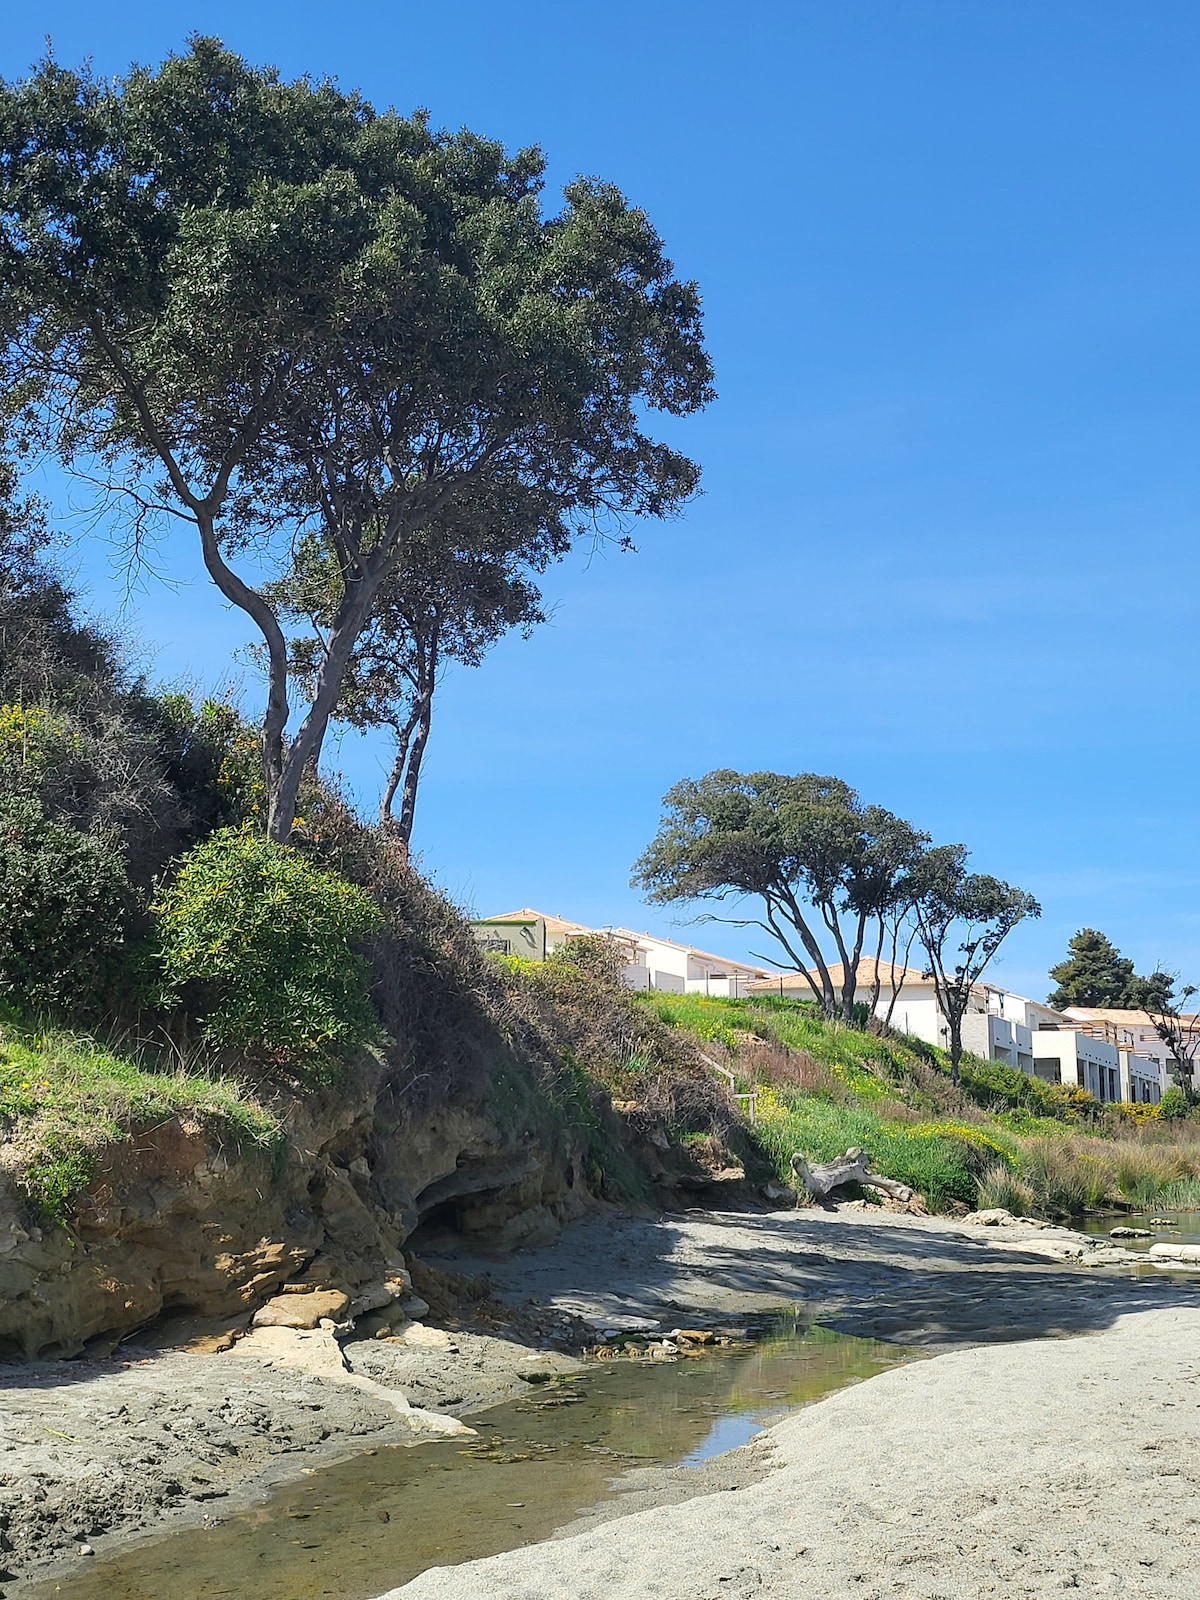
x,y
1175,1252
305,1310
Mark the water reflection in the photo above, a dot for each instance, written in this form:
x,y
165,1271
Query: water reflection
x,y
364,1526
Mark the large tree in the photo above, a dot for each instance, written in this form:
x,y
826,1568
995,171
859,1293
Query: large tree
x,y
264,309
962,919
824,866
1095,973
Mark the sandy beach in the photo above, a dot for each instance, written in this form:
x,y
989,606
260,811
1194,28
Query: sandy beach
x,y
1040,1465
1026,1470
1076,1439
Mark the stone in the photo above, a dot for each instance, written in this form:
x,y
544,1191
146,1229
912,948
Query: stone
x,y
306,1310
693,1335
1131,1233
993,1217
319,1354
1163,1222
1175,1252
419,1337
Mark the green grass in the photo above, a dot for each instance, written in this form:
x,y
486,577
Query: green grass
x,y
1000,1138
941,1160
63,1098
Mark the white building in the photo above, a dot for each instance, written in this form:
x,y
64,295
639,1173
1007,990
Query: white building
x,y
651,962
1001,1026
1134,1031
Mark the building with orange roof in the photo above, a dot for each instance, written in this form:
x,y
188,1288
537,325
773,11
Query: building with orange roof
x,y
650,961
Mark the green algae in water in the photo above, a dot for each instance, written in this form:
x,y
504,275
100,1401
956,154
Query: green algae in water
x,y
366,1525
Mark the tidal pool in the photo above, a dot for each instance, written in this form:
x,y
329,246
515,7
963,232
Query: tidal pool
x,y
1183,1227
363,1526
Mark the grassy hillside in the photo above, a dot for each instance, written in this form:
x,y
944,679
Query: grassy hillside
x,y
999,1138
64,1096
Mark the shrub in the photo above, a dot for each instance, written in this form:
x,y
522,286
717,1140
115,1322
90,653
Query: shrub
x,y
258,942
67,911
993,1085
1173,1106
999,1186
1065,1180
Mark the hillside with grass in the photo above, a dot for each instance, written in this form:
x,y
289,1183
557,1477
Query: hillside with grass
x,y
997,1138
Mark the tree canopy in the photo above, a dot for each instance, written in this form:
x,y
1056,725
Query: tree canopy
x,y
963,918
268,310
1095,973
822,864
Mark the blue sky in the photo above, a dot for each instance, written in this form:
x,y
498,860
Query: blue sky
x,y
950,257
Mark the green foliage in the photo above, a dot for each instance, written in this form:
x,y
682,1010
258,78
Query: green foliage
x,y
67,916
791,842
63,1098
260,944
1173,1106
941,1161
995,1086
1095,973
279,307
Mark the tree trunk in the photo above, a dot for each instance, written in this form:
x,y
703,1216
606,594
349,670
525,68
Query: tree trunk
x,y
955,1046
240,594
877,983
853,1167
305,749
403,736
412,776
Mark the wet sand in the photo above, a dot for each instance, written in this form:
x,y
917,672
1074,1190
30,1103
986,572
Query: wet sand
x,y
96,1451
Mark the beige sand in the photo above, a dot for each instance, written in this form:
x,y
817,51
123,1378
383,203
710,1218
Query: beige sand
x,y
1026,1468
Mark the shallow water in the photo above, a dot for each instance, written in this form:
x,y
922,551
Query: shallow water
x,y
1185,1231
359,1528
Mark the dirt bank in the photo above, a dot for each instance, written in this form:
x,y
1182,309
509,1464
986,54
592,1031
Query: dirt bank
x,y
92,1451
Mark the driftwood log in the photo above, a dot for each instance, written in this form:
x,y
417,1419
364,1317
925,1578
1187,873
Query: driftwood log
x,y
854,1167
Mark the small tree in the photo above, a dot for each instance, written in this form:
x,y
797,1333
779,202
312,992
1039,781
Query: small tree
x,y
1177,1030
963,918
823,865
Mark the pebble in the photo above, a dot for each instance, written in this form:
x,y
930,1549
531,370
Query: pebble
x,y
86,1550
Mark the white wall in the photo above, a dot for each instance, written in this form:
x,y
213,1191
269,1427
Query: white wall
x,y
1091,1064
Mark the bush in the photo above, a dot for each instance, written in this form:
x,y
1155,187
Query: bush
x,y
998,1186
258,943
67,911
1173,1106
1066,1180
